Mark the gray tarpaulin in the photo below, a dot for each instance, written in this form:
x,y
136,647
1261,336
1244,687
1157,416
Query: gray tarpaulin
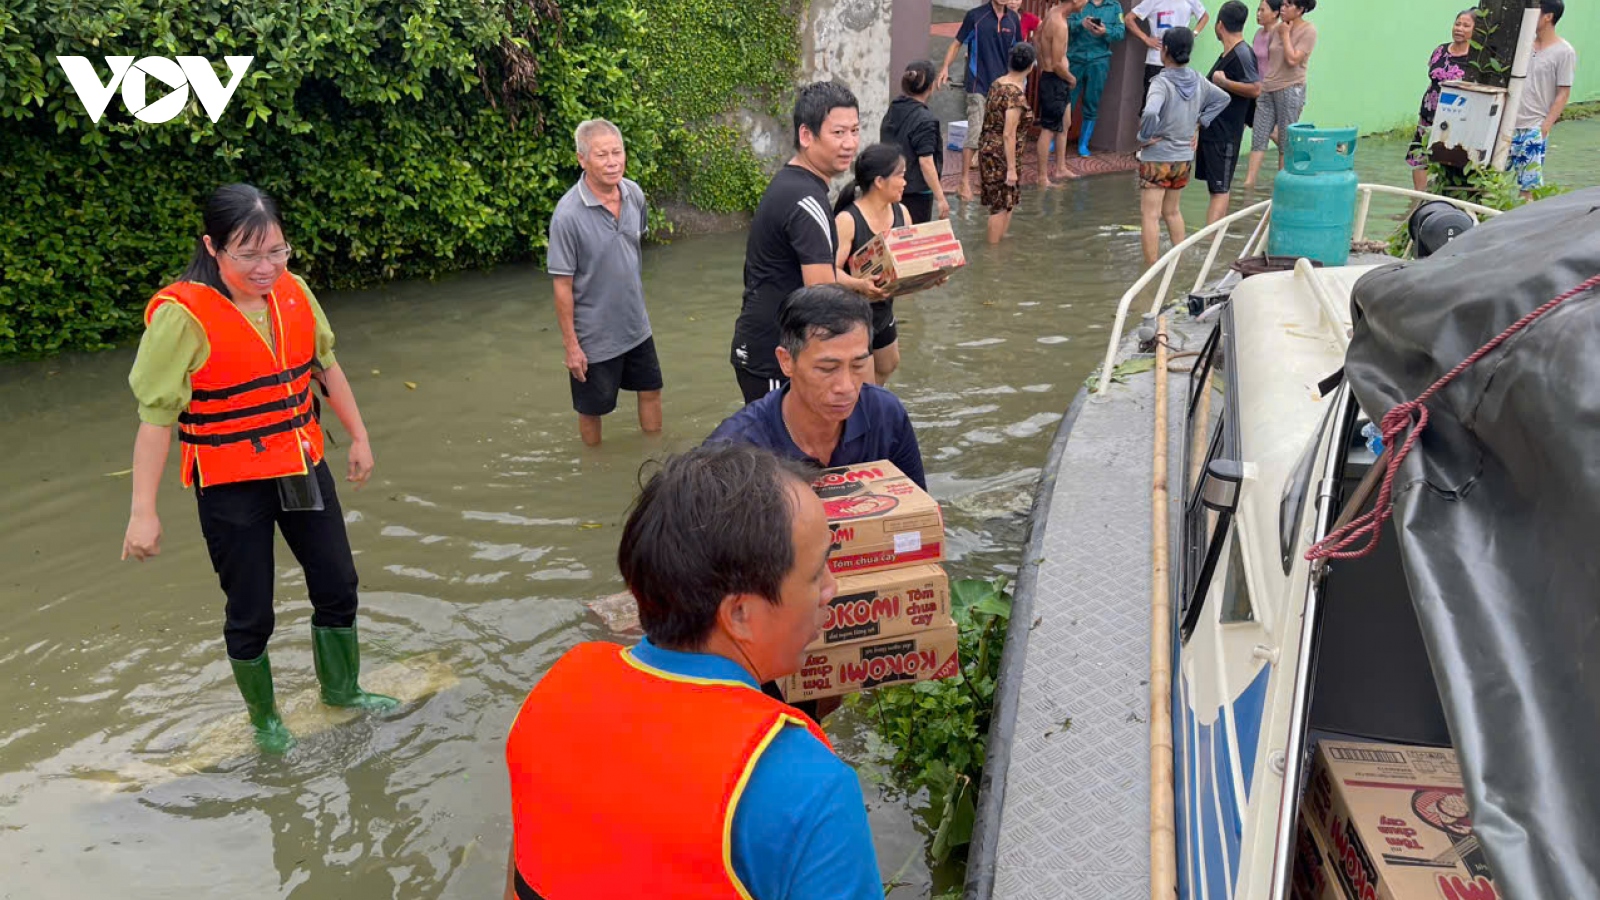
x,y
1497,516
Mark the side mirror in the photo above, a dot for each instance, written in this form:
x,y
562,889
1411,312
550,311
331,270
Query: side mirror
x,y
1220,490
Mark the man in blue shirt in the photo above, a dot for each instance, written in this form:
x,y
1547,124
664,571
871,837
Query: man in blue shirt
x,y
988,33
661,770
830,413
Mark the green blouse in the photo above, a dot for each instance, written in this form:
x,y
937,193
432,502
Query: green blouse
x,y
174,347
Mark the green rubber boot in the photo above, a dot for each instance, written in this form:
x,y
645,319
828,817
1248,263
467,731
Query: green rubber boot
x,y
338,662
255,683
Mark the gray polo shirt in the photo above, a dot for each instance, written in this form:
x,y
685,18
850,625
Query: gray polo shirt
x,y
601,253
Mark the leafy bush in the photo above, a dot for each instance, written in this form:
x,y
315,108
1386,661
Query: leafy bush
x,y
402,139
940,729
703,58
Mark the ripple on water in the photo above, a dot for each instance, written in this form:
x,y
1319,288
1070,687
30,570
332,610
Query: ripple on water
x,y
1032,425
1054,339
980,342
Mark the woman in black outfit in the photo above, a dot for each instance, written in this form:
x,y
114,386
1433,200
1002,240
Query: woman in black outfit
x,y
911,125
881,182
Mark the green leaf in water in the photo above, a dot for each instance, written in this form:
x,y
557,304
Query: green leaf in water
x,y
955,823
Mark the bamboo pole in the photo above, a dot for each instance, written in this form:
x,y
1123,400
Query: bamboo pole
x,y
1163,832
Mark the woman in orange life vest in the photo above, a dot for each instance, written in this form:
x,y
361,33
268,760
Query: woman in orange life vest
x,y
228,355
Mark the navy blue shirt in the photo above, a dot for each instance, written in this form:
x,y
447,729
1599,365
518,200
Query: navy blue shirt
x,y
988,39
878,428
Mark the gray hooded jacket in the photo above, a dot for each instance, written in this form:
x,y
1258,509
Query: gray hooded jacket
x,y
1179,104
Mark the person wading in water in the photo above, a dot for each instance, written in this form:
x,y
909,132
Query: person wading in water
x,y
881,181
229,354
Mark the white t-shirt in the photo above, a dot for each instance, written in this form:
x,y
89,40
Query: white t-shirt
x,y
1551,68
1164,15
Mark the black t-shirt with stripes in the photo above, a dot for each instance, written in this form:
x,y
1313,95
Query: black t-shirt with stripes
x,y
793,227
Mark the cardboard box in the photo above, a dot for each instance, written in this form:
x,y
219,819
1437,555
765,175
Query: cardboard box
x,y
1394,821
1313,875
863,665
910,258
958,136
886,603
880,518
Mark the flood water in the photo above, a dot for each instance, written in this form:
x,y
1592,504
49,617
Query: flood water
x,y
485,529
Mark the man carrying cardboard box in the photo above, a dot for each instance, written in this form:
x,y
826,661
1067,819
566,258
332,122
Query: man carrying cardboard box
x,y
662,770
830,413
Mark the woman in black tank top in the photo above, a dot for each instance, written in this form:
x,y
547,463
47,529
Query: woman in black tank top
x,y
880,181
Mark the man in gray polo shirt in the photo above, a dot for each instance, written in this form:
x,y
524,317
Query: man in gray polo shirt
x,y
594,258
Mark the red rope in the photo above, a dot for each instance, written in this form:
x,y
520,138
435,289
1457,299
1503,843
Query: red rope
x,y
1412,417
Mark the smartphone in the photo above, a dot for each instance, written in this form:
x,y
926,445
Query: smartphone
x,y
1094,19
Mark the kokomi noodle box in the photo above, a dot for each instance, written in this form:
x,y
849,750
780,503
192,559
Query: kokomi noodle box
x,y
879,517
830,671
886,603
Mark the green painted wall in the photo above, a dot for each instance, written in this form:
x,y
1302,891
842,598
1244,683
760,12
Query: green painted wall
x,y
1369,68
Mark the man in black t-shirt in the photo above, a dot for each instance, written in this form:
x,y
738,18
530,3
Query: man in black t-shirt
x,y
1234,72
792,239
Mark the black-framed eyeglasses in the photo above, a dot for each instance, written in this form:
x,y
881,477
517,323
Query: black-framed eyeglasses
x,y
276,257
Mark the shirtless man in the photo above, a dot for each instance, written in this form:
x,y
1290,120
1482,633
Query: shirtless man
x,y
1055,90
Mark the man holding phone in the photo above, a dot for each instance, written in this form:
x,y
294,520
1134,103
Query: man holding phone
x,y
1090,33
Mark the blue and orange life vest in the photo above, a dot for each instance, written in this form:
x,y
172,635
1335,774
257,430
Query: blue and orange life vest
x,y
251,415
625,778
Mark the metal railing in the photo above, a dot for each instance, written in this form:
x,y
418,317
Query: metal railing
x,y
1217,232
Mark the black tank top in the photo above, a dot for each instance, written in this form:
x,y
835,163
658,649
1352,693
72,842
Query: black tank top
x,y
865,234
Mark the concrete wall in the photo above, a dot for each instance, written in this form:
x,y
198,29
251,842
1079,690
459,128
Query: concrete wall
x,y
909,31
850,41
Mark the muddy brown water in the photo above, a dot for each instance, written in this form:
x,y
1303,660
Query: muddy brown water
x,y
485,529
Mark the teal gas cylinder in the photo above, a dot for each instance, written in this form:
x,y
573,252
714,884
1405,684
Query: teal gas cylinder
x,y
1314,197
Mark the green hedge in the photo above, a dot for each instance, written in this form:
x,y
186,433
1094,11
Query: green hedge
x,y
403,139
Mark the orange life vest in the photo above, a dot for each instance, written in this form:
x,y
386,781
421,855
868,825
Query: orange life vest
x,y
625,778
250,415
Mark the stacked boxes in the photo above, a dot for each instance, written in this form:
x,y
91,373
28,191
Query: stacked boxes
x,y
1391,822
910,258
890,620
1313,876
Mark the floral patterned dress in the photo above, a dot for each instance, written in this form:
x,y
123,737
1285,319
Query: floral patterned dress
x,y
997,195
1442,67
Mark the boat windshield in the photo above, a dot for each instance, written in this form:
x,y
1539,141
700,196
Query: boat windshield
x,y
1295,489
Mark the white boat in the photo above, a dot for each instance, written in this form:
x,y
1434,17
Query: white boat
x,y
1265,652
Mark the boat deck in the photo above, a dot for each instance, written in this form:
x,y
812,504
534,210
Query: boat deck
x,y
1073,816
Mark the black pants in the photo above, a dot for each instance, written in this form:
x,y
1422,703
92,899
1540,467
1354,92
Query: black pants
x,y
238,520
920,206
754,387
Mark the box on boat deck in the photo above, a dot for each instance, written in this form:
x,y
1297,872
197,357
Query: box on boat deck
x,y
886,603
910,258
879,517
1394,822
837,669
